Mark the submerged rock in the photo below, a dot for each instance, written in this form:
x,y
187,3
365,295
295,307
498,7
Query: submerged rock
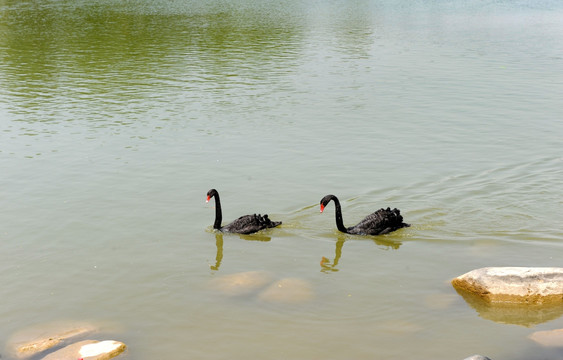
x,y
41,337
440,301
241,283
514,284
88,350
522,314
289,291
551,338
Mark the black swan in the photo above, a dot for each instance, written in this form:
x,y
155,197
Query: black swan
x,y
382,221
246,224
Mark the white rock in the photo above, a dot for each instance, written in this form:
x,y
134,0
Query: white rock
x,y
88,350
96,349
536,285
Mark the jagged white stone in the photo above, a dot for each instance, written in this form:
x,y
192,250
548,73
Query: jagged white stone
x,y
530,285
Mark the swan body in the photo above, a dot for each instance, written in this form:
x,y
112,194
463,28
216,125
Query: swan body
x,y
246,224
381,222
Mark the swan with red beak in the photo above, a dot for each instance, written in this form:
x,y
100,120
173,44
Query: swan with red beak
x,y
383,221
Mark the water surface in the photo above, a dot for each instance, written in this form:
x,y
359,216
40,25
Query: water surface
x,y
117,117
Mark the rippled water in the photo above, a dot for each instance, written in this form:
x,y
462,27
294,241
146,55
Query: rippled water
x,y
116,117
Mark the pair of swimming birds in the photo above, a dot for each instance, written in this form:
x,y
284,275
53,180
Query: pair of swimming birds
x,y
382,221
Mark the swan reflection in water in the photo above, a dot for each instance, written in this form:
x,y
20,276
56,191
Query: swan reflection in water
x,y
219,254
219,245
328,266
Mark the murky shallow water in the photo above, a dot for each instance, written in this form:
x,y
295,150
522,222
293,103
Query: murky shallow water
x,y
116,118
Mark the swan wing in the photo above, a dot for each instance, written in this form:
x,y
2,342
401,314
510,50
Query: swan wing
x,y
249,224
380,222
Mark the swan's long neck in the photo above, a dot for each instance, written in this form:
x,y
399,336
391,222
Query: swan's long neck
x,y
218,212
338,212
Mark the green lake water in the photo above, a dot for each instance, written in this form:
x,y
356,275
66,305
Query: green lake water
x,y
116,118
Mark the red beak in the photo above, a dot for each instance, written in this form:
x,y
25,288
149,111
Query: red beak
x,y
208,198
322,207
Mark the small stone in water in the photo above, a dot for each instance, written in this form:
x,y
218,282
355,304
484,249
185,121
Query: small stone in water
x,y
41,337
552,338
102,347
90,349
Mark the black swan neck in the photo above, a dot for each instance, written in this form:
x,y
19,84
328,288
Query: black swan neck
x,y
338,215
218,212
